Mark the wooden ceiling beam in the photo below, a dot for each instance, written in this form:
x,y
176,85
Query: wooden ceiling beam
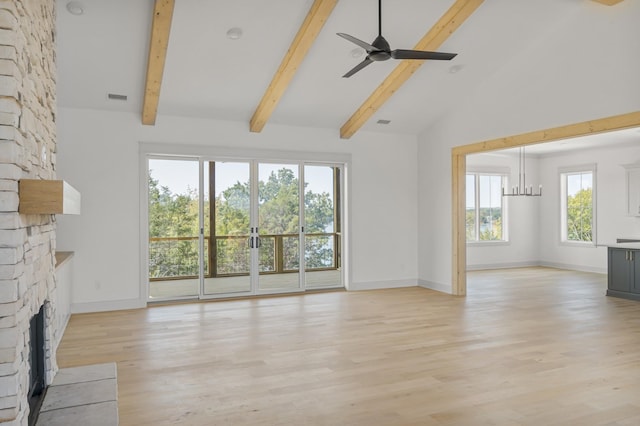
x,y
585,128
308,32
160,29
446,25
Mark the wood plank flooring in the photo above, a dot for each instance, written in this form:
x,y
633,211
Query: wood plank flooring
x,y
228,285
529,346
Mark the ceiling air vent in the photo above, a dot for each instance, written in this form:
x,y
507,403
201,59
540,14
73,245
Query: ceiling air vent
x,y
383,121
117,97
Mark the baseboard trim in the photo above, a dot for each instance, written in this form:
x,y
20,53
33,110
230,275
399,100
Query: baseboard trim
x,y
110,305
379,285
580,268
556,265
442,288
485,266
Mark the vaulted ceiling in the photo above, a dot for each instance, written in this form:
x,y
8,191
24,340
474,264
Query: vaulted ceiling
x,y
287,66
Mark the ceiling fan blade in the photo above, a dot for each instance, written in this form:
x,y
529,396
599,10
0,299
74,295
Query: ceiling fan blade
x,y
358,67
352,39
421,54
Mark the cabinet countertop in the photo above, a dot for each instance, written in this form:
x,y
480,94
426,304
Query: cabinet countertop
x,y
628,246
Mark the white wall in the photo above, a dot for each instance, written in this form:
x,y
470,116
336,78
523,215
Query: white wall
x,y
573,73
611,215
522,217
98,154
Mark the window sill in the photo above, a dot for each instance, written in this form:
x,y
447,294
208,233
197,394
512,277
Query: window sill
x,y
488,243
578,244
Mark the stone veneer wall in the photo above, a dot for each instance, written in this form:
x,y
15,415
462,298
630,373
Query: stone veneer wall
x,y
27,150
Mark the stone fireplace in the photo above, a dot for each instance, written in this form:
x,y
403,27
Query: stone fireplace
x,y
27,242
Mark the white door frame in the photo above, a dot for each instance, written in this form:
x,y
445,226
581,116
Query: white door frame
x,y
208,153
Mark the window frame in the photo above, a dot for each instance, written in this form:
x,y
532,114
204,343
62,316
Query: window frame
x,y
563,173
504,173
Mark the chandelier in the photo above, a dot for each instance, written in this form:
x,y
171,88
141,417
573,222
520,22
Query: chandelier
x,y
521,190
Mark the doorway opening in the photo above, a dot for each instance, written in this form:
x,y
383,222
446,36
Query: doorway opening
x,y
459,167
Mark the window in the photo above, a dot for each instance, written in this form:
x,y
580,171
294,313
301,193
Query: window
x,y
578,204
485,215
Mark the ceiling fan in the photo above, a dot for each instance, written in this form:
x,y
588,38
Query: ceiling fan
x,y
379,50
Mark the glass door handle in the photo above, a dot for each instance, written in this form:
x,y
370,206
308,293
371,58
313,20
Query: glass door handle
x,y
258,242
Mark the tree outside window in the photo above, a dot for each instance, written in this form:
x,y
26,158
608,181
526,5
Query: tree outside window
x,y
578,206
484,207
173,219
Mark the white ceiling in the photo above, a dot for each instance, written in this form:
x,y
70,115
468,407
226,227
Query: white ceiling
x,y
210,76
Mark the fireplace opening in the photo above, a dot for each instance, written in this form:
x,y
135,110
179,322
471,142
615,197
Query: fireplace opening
x,y
37,382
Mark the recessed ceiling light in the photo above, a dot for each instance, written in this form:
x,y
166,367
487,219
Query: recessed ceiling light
x,y
455,68
357,52
75,8
381,121
234,33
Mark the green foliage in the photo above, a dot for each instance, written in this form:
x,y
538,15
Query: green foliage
x,y
493,229
278,203
176,215
318,218
471,224
172,215
490,224
318,212
580,216
232,208
232,220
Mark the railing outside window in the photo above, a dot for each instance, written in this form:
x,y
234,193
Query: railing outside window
x,y
177,257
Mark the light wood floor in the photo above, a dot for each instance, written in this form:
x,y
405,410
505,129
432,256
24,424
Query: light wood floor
x,y
530,346
228,285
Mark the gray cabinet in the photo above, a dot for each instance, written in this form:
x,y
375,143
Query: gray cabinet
x,y
624,273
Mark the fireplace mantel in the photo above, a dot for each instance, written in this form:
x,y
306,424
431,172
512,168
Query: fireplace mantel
x,y
48,197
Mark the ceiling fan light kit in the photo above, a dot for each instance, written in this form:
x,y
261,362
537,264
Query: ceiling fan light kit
x,y
380,50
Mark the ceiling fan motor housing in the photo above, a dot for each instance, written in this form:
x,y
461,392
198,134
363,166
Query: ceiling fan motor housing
x,y
384,50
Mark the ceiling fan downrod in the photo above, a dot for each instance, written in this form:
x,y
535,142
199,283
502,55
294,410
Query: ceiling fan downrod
x,y
379,18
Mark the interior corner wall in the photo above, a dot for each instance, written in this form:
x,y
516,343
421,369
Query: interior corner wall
x,y
612,221
522,217
98,152
541,88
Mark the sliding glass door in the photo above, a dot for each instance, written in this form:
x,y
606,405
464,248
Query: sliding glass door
x,y
174,242
278,227
227,227
322,227
242,227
